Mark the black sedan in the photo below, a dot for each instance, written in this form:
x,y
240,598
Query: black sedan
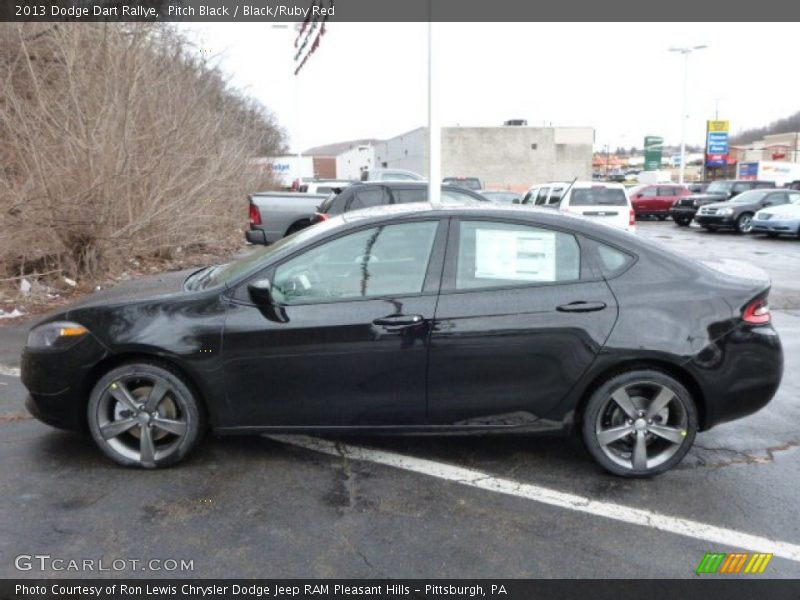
x,y
738,213
417,319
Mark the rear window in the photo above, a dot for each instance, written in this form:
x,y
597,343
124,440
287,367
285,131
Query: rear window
x,y
598,196
410,195
471,183
332,206
367,197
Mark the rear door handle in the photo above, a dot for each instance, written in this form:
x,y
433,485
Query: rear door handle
x,y
398,321
581,306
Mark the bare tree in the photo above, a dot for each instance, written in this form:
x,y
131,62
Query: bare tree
x,y
116,140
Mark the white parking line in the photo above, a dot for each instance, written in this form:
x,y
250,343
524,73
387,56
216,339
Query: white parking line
x,y
9,371
485,481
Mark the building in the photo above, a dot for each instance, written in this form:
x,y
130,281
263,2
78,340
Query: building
x,y
778,147
508,157
351,163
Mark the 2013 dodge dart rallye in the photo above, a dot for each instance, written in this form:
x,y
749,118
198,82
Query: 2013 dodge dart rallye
x,y
413,318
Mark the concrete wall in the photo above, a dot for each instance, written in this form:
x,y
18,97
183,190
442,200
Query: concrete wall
x,y
502,157
517,157
350,164
407,151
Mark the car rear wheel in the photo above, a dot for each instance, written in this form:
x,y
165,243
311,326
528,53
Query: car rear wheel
x,y
682,221
744,224
639,423
144,415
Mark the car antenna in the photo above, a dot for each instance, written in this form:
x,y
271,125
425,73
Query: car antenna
x,y
569,187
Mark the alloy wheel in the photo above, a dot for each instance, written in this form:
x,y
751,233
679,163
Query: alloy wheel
x,y
745,223
142,417
642,425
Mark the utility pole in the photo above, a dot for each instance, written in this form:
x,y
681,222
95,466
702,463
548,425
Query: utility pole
x,y
686,51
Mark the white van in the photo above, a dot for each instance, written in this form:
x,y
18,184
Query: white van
x,y
602,201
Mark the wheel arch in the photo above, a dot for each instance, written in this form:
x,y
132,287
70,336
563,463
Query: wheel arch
x,y
113,361
298,225
671,369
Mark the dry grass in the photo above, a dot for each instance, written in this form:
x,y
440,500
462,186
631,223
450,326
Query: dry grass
x,y
116,142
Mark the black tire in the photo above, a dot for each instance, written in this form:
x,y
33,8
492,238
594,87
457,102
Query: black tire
x,y
174,424
682,221
604,415
744,223
297,227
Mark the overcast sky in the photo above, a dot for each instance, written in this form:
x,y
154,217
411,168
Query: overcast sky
x,y
370,79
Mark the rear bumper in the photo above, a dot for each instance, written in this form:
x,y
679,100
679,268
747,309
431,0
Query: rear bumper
x,y
739,373
256,236
791,226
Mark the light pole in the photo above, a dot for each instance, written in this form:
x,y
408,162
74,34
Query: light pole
x,y
686,51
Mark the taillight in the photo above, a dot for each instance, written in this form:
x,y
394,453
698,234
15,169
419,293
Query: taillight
x,y
632,219
255,215
757,312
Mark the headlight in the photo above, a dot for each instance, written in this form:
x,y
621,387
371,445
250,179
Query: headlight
x,y
56,334
784,216
725,211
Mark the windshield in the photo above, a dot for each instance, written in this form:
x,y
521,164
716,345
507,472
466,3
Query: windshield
x,y
598,195
747,197
219,274
719,187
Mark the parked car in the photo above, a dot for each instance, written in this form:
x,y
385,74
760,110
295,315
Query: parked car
x,y
325,186
502,196
738,212
718,191
455,319
777,220
607,203
390,175
698,187
274,215
366,195
470,183
656,200
547,195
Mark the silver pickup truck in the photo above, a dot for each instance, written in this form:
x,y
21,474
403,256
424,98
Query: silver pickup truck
x,y
274,215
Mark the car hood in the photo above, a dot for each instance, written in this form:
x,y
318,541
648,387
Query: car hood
x,y
784,209
139,290
725,205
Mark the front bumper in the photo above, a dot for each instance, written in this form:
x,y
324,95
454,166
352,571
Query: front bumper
x,y
59,382
718,220
686,212
790,226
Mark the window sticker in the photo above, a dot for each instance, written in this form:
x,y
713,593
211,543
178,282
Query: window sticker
x,y
520,255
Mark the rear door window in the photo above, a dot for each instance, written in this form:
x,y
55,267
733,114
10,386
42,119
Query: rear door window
x,y
492,254
598,196
369,196
410,195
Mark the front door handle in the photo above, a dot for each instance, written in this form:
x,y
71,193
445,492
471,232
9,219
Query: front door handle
x,y
581,306
398,321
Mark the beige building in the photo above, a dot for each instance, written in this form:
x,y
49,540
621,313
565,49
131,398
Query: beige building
x,y
507,157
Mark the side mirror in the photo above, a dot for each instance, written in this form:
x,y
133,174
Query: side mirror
x,y
260,291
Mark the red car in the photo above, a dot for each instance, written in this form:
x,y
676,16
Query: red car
x,y
656,200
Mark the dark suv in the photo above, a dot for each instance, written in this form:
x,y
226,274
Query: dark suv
x,y
365,195
685,209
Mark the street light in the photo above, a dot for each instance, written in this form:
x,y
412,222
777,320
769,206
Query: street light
x,y
686,51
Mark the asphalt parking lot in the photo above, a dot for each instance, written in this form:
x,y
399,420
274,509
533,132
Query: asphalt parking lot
x,y
262,507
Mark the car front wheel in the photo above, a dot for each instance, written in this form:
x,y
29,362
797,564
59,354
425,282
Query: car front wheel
x,y
145,415
744,224
639,423
682,221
